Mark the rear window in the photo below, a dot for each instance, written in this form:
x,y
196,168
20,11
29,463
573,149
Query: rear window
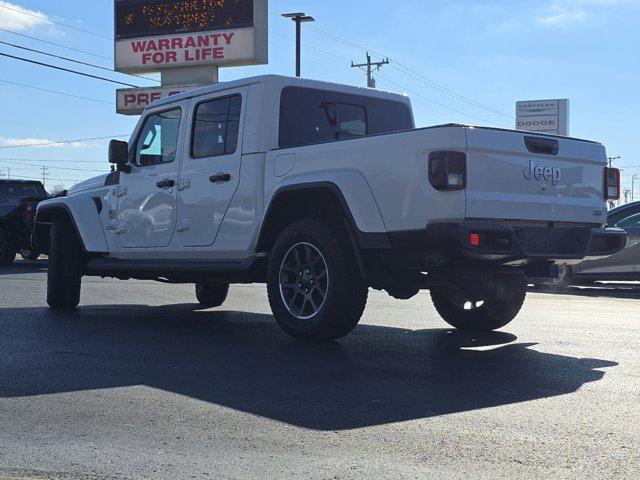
x,y
309,116
13,192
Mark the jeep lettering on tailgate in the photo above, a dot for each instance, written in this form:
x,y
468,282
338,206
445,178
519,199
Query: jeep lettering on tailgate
x,y
548,174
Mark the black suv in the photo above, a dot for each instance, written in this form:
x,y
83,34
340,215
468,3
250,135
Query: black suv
x,y
18,201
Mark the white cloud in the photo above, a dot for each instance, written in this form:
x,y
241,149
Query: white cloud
x,y
564,13
39,142
15,17
559,17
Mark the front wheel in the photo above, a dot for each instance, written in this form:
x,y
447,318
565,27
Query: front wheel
x,y
315,289
29,254
481,304
66,266
212,295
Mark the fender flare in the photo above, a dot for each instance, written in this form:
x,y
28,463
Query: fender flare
x,y
90,233
359,228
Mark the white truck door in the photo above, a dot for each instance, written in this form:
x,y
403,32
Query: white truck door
x,y
148,194
210,172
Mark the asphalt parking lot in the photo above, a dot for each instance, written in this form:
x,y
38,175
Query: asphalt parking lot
x,y
141,383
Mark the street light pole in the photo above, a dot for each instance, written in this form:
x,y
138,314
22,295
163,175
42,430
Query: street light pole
x,y
299,19
611,159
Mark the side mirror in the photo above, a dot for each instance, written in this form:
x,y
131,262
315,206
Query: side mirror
x,y
118,152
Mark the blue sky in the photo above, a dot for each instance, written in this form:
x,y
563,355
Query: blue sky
x,y
491,52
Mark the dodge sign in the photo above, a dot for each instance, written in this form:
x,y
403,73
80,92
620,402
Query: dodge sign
x,y
544,116
153,35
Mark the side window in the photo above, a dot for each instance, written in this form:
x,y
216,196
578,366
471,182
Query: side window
x,y
630,222
216,127
306,117
29,191
309,116
158,139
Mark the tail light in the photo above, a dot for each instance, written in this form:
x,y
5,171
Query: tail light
x,y
28,211
611,183
448,170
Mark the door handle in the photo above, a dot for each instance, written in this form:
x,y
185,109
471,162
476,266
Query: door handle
x,y
220,178
166,183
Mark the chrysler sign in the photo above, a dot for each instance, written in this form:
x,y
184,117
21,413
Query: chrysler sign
x,y
154,35
543,116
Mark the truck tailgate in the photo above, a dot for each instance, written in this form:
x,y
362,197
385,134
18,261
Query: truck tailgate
x,y
520,176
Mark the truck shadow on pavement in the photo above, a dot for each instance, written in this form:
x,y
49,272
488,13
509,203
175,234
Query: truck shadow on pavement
x,y
25,266
240,360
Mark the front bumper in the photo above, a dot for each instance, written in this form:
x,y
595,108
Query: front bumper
x,y
515,242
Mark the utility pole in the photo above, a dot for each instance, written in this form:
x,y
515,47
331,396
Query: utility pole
x,y
626,196
370,68
633,186
611,159
45,174
299,19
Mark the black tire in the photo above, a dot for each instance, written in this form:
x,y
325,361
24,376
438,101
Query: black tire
x,y
29,254
212,295
565,278
490,303
7,250
66,267
337,311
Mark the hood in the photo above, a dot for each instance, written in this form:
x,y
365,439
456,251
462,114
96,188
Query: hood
x,y
89,184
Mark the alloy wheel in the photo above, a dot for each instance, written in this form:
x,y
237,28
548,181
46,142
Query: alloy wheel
x,y
304,281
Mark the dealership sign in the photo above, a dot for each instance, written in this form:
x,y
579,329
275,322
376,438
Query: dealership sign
x,y
544,116
154,35
132,101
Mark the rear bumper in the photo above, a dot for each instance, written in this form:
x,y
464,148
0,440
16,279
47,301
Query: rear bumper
x,y
514,243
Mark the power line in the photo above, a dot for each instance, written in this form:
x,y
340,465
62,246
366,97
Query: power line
x,y
413,74
46,19
53,168
56,92
67,70
48,160
442,105
67,59
58,142
404,89
408,71
56,44
22,177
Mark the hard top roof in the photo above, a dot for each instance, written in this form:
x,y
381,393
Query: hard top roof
x,y
282,81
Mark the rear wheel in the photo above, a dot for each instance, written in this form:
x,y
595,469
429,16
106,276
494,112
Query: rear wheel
x,y
315,289
66,266
482,304
7,249
29,254
212,295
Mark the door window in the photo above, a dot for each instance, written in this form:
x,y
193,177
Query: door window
x,y
216,126
158,140
630,222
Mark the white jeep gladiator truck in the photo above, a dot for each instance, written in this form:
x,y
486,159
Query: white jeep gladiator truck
x,y
323,191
